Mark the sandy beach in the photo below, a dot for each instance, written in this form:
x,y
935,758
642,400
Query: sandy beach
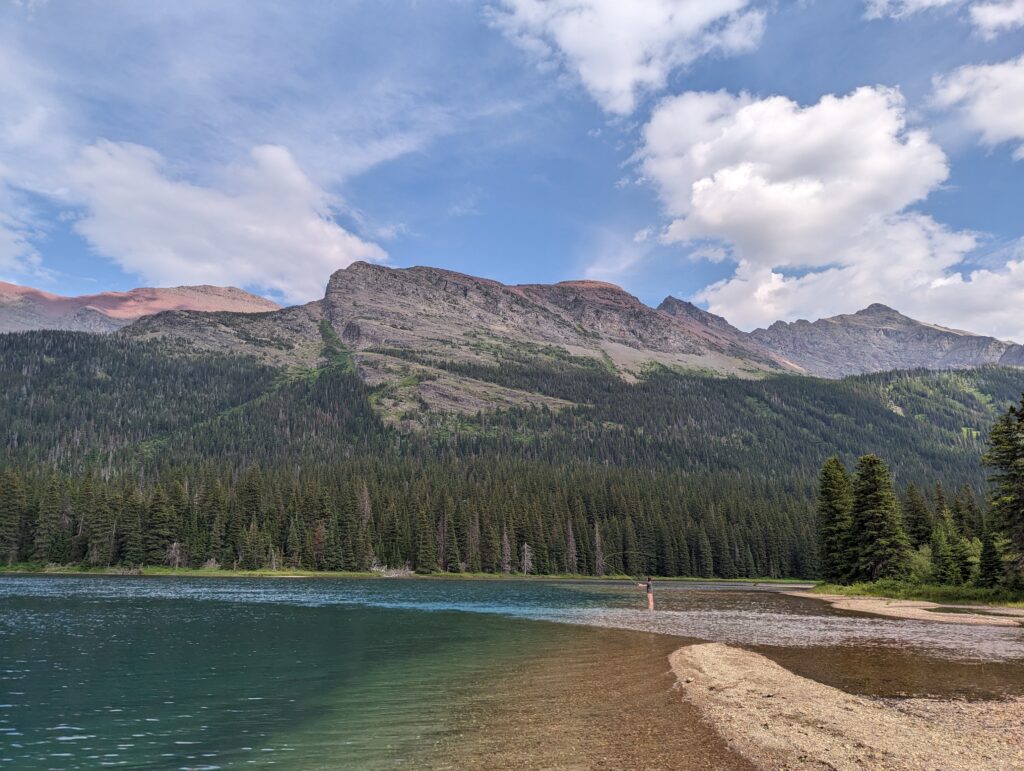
x,y
776,719
920,610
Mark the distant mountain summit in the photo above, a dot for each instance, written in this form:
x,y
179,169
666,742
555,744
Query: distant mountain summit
x,y
880,338
431,338
23,308
428,340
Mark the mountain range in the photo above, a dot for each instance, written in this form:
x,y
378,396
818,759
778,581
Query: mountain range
x,y
23,308
423,332
424,417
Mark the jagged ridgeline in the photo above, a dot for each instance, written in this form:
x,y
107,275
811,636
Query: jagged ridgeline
x,y
121,450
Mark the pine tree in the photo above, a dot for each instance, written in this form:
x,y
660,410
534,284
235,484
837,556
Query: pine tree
x,y
53,532
12,509
158,533
960,550
916,517
293,550
990,564
571,558
452,561
966,513
944,568
1005,457
835,512
426,544
600,564
133,552
506,551
254,551
879,545
101,532
703,561
334,558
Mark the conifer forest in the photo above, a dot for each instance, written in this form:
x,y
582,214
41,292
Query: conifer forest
x,y
125,453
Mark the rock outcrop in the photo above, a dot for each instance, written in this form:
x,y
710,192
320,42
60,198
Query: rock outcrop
x,y
417,336
879,338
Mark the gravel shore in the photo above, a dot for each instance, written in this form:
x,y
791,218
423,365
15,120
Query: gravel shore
x,y
777,719
919,610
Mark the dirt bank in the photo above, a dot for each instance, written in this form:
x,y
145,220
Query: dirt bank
x,y
777,719
918,610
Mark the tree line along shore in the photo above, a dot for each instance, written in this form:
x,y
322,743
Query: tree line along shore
x,y
947,551
120,454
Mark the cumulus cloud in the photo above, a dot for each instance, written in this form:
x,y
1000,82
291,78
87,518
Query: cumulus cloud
x,y
619,50
786,185
995,17
989,17
265,225
991,98
814,204
205,85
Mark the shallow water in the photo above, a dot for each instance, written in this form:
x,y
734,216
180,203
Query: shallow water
x,y
323,673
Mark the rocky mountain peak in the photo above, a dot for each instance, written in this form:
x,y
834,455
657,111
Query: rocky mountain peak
x,y
683,309
876,339
878,309
24,308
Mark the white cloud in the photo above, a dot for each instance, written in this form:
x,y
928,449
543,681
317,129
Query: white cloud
x,y
610,253
32,144
991,98
786,185
877,9
989,17
618,49
995,17
203,85
813,203
265,226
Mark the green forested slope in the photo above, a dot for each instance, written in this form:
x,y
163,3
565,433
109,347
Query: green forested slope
x,y
128,452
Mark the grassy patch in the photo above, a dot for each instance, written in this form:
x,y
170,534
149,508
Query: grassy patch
x,y
37,568
333,350
902,590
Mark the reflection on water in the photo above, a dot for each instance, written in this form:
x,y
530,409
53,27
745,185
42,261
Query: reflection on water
x,y
325,673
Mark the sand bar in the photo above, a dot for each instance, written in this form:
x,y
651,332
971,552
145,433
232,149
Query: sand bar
x,y
920,610
777,719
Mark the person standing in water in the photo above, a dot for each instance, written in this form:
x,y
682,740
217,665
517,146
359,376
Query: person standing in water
x,y
649,585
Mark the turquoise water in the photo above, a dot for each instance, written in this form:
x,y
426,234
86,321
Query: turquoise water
x,y
320,673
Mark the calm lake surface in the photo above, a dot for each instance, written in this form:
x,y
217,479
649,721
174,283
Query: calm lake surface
x,y
324,673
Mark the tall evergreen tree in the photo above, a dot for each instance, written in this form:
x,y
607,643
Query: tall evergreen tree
x,y
452,560
133,552
101,531
53,532
879,544
426,544
966,513
990,564
12,509
1005,458
835,514
158,533
916,517
945,569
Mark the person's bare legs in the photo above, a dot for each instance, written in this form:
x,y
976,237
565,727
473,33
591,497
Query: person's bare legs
x,y
650,601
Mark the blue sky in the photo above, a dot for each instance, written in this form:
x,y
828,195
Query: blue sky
x,y
766,159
